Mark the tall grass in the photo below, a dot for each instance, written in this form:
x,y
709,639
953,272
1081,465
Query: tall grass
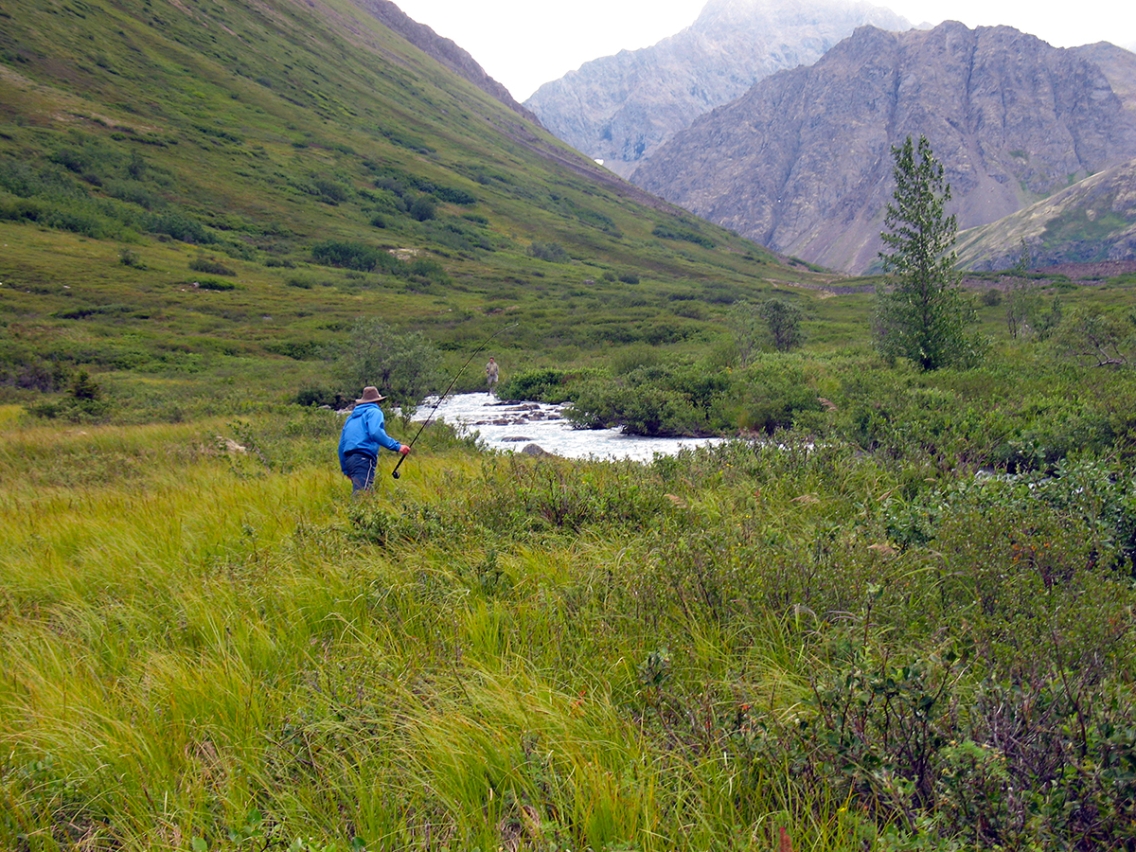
x,y
186,644
209,648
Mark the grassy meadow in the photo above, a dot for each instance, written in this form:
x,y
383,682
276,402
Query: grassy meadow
x,y
829,644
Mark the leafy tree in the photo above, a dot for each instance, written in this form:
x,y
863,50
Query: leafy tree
x,y
923,316
404,367
783,320
773,322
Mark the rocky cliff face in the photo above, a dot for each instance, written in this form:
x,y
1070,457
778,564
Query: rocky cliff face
x,y
1094,220
1118,66
621,108
443,50
802,162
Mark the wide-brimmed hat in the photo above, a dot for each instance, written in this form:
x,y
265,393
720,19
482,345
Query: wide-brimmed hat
x,y
370,394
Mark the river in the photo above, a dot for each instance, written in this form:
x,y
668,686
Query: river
x,y
512,426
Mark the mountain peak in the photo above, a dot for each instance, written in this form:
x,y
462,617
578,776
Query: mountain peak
x,y
801,162
621,108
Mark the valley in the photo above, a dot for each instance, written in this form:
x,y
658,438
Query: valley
x,y
865,606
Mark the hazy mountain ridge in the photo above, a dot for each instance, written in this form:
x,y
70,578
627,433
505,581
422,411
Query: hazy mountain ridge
x,y
1094,220
802,164
621,108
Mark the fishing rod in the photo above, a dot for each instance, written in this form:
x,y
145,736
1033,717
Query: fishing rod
x,y
449,388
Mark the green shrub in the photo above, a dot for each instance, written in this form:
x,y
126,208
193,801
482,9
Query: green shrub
x,y
319,396
213,267
353,256
668,233
550,252
651,400
771,394
181,227
298,350
131,258
84,402
455,196
543,385
635,409
423,208
215,284
331,192
452,234
135,193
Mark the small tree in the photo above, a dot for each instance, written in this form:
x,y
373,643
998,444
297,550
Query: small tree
x,y
84,388
404,367
1025,259
1093,338
783,319
745,325
923,316
774,322
1022,304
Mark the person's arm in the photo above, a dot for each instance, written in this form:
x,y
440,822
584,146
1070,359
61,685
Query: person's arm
x,y
379,433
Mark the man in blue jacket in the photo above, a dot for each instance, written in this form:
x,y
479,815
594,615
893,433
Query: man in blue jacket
x,y
362,435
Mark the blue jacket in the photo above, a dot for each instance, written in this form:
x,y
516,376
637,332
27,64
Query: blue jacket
x,y
364,433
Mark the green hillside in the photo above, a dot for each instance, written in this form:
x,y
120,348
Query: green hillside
x,y
313,167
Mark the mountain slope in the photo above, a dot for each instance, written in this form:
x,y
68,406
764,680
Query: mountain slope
x,y
310,166
802,162
621,108
1093,220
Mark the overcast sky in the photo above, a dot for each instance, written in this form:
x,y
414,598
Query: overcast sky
x,y
523,43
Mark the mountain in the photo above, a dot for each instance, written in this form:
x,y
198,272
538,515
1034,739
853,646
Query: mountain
x,y
621,108
1118,66
1093,220
194,191
802,164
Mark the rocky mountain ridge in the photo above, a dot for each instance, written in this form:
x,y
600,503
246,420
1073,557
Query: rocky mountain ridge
x,y
621,108
802,163
1092,221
